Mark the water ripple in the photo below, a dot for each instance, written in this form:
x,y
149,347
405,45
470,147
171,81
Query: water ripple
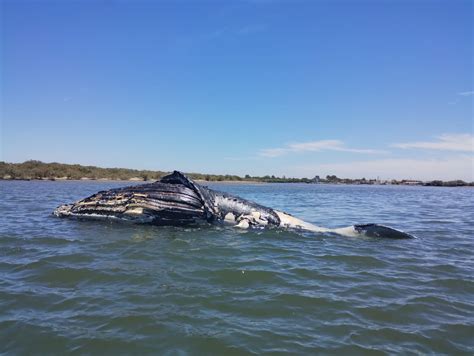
x,y
114,288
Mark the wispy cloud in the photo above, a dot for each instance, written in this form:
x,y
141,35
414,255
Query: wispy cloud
x,y
448,168
243,158
314,146
447,142
193,40
461,96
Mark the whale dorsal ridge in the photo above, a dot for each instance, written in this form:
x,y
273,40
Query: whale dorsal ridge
x,y
204,194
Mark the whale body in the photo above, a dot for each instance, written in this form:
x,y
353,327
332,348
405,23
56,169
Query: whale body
x,y
177,200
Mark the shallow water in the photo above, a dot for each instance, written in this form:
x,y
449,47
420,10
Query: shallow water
x,y
89,287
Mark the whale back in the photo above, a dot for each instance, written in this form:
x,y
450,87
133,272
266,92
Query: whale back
x,y
174,200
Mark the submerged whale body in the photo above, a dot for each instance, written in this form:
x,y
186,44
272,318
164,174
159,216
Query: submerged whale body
x,y
178,200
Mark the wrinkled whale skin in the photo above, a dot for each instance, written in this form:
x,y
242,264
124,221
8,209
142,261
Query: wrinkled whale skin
x,y
177,200
156,203
174,200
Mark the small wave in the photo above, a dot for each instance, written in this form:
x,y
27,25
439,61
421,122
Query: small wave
x,y
245,277
365,261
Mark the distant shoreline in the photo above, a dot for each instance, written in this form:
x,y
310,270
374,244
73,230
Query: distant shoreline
x,y
89,180
40,171
226,182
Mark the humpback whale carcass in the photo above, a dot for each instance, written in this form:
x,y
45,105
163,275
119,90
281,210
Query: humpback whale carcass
x,y
178,200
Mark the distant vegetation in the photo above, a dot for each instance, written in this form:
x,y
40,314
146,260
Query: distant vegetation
x,y
40,170
55,171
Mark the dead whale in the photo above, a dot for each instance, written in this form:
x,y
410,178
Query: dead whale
x,y
177,200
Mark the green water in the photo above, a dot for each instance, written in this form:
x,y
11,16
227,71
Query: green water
x,y
103,288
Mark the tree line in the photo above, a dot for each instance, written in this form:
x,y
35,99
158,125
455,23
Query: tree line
x,y
39,170
33,169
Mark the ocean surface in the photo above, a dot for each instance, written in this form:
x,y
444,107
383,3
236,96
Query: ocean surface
x,y
110,288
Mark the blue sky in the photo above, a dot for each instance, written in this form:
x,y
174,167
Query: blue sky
x,y
353,88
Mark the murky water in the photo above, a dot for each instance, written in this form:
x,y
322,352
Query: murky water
x,y
89,287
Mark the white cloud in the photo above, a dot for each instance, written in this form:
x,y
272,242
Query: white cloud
x,y
459,167
466,93
313,146
273,152
447,142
